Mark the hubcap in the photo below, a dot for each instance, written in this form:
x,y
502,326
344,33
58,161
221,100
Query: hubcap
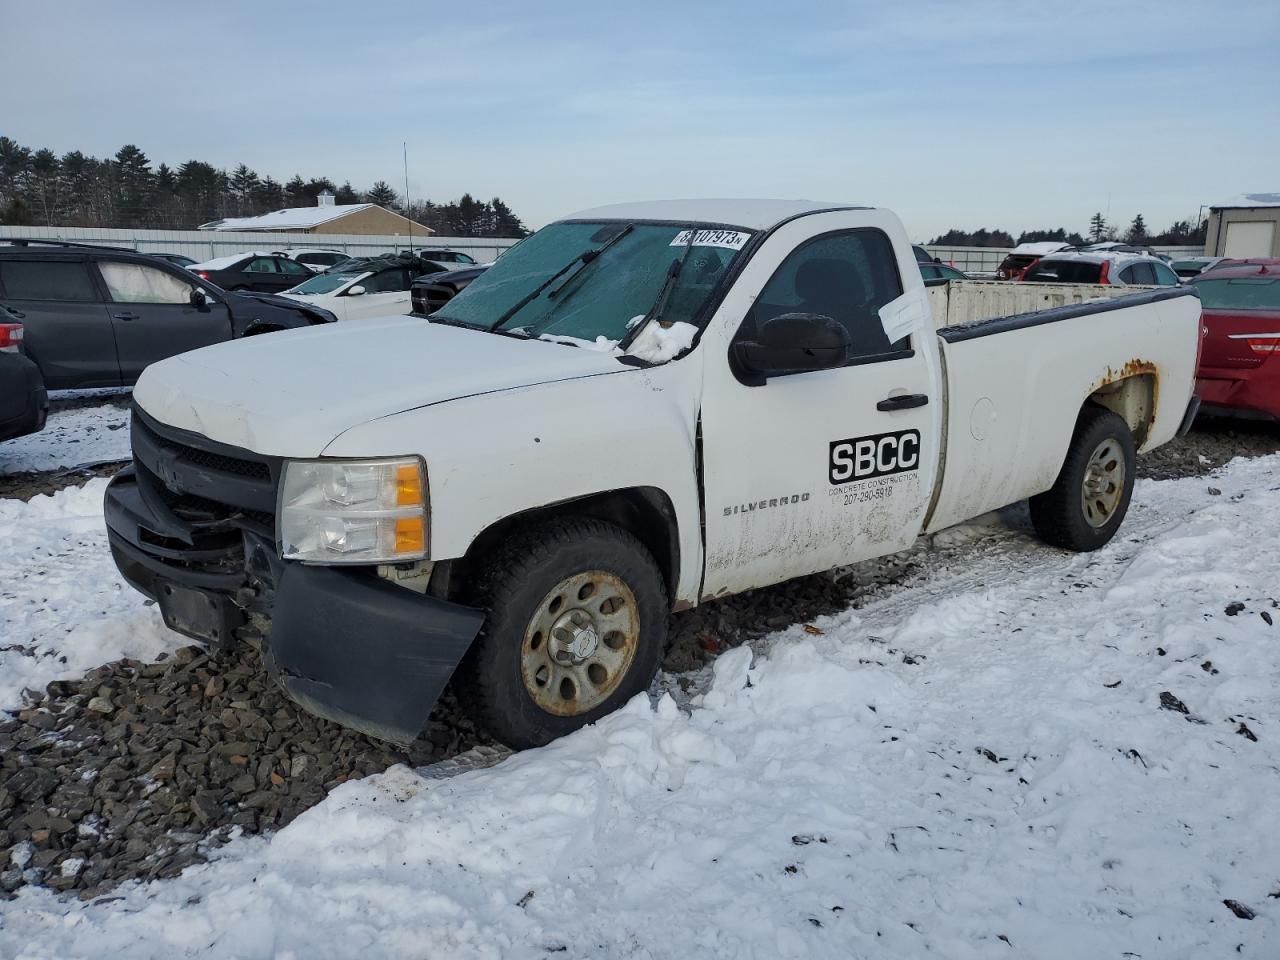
x,y
1103,484
579,643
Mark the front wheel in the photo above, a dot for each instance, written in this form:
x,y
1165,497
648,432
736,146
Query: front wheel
x,y
576,620
1087,503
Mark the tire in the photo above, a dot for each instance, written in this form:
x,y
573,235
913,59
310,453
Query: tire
x,y
541,669
1102,455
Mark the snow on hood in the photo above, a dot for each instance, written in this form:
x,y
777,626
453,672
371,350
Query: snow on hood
x,y
290,393
656,343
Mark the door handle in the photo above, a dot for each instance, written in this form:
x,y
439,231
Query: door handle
x,y
125,316
904,401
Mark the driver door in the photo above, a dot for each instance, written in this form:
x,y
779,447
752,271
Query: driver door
x,y
808,471
386,294
153,317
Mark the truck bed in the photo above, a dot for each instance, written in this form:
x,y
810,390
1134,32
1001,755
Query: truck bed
x,y
1016,383
964,302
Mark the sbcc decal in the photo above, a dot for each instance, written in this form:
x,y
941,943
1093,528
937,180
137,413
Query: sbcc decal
x,y
862,458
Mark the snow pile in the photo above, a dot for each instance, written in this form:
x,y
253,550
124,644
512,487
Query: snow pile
x,y
656,343
64,608
1046,754
71,438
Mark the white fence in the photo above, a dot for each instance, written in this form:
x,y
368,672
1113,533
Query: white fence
x,y
987,259
207,244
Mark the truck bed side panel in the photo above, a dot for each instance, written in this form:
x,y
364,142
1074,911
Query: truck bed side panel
x,y
1016,386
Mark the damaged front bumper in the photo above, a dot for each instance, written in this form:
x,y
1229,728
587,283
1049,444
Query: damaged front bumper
x,y
342,642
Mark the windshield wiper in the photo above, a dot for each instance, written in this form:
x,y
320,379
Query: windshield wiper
x,y
584,258
664,294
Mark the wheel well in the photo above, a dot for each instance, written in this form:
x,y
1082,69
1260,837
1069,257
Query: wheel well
x,y
1133,399
644,512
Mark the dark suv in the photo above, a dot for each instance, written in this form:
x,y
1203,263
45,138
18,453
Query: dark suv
x,y
96,316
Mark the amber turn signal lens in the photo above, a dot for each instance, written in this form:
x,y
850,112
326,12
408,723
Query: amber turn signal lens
x,y
410,536
408,486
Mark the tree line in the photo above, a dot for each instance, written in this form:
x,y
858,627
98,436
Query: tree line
x,y
40,188
1180,234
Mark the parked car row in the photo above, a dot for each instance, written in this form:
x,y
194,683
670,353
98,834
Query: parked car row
x,y
96,316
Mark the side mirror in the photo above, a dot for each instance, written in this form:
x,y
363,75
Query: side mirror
x,y
199,299
793,343
356,291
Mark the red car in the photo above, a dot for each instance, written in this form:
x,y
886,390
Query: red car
x,y
1239,370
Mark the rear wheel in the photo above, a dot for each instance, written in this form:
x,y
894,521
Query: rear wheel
x,y
576,622
1087,503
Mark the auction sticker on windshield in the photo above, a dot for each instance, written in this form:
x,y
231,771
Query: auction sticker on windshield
x,y
729,239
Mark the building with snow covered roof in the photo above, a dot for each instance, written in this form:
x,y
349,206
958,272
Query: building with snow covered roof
x,y
1245,226
325,217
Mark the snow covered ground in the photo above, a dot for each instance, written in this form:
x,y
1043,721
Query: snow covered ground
x,y
976,765
71,438
64,608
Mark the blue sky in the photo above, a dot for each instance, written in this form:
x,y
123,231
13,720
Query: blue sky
x,y
968,113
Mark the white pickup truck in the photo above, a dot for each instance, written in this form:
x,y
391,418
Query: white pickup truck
x,y
640,408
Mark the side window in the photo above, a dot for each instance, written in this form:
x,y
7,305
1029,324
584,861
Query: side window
x,y
388,281
1142,273
134,283
1127,275
929,272
293,268
1165,276
260,265
845,276
65,280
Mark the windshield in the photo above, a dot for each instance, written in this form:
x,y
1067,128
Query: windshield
x,y
602,297
325,282
1240,293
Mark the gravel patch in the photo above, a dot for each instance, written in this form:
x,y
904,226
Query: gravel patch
x,y
1212,443
24,486
139,770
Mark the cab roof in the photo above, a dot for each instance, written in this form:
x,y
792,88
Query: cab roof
x,y
750,214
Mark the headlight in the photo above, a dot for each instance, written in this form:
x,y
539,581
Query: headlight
x,y
353,511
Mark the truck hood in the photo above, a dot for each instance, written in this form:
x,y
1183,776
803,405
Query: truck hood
x,y
290,393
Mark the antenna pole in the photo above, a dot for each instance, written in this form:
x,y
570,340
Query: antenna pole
x,y
408,208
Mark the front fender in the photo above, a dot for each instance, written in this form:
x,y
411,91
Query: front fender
x,y
495,455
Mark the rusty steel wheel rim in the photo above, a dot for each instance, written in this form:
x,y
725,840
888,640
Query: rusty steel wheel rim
x,y
580,643
1103,485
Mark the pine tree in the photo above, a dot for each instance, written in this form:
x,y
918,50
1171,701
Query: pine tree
x,y
268,196
44,189
244,183
1137,231
1097,227
132,187
346,194
295,193
506,223
382,194
15,163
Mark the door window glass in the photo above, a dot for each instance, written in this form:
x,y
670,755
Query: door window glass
x,y
847,277
134,283
1164,275
388,281
47,280
261,265
1141,273
296,269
